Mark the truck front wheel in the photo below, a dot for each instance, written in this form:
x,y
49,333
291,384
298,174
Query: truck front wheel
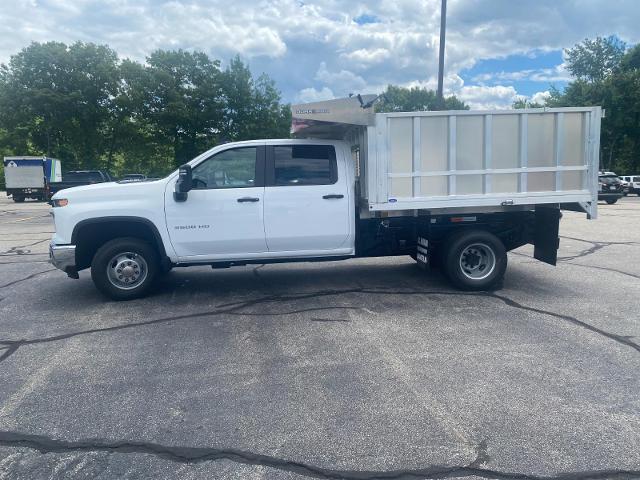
x,y
475,260
18,199
125,268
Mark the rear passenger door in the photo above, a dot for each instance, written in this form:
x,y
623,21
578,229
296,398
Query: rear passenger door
x,y
306,200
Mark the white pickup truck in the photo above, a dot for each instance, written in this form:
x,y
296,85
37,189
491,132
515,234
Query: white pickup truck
x,y
458,189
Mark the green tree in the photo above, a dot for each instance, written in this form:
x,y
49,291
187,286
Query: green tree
x,y
183,100
83,105
617,90
55,100
402,99
594,60
252,108
522,103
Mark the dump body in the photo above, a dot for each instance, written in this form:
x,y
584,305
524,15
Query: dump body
x,y
464,159
30,177
430,160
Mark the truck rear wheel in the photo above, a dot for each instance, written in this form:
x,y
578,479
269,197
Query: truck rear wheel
x,y
125,268
475,260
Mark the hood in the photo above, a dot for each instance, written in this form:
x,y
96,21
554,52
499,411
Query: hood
x,y
109,190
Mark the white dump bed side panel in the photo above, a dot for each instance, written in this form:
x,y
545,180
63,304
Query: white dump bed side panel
x,y
430,160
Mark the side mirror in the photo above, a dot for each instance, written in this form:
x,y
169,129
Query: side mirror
x,y
184,183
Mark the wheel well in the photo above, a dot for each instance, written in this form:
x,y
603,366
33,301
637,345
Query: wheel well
x,y
512,236
89,236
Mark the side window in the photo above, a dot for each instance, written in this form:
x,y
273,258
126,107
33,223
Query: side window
x,y
234,168
305,165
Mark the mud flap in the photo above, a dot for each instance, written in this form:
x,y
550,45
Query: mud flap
x,y
545,236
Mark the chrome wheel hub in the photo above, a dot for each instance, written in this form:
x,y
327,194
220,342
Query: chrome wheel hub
x,y
477,261
127,270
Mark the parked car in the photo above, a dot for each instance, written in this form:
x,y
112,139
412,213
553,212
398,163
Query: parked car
x,y
78,178
610,187
625,187
133,177
419,193
633,182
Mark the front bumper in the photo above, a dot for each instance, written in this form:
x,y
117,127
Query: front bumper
x,y
64,258
609,195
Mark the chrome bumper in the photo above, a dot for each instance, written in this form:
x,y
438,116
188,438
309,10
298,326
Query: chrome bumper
x,y
64,258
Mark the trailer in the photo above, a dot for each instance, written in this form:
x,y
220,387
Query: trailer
x,y
30,177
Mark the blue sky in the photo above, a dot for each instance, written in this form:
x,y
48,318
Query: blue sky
x,y
538,71
497,50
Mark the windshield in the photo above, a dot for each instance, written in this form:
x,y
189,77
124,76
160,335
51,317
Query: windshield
x,y
608,179
82,177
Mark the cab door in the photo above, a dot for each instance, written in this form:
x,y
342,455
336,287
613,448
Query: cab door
x,y
307,204
223,216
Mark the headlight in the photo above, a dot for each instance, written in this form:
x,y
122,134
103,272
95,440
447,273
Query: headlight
x,y
60,202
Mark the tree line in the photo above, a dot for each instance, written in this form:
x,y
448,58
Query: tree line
x,y
606,73
82,104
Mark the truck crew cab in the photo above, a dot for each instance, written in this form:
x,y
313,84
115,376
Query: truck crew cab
x,y
331,198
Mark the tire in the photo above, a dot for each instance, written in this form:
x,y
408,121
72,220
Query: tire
x,y
125,268
467,248
18,199
611,202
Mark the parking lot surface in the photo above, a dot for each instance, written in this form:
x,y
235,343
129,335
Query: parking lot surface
x,y
356,369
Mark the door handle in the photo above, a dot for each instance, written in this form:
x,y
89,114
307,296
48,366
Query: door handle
x,y
248,199
333,195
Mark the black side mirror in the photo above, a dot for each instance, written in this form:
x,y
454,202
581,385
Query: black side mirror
x,y
184,183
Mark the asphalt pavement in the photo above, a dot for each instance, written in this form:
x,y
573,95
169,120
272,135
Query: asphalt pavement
x,y
358,369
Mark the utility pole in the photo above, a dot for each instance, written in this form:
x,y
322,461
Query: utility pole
x,y
443,29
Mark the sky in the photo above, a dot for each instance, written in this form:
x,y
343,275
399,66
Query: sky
x,y
496,50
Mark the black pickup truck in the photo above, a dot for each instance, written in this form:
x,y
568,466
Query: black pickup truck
x,y
78,178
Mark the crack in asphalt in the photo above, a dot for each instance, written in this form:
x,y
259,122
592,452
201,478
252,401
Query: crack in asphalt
x,y
21,262
14,251
606,269
20,249
28,233
622,339
12,346
482,455
344,320
29,277
195,455
595,246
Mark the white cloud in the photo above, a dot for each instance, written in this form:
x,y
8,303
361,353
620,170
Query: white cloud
x,y
319,47
307,95
540,97
481,97
364,56
558,73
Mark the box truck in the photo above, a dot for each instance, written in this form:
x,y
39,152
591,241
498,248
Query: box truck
x,y
457,189
30,177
